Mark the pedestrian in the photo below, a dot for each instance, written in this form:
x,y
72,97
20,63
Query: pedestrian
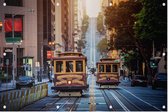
x,y
33,75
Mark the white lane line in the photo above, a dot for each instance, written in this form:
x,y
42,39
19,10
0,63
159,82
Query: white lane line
x,y
140,99
119,102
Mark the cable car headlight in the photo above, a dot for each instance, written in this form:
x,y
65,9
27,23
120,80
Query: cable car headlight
x,y
69,82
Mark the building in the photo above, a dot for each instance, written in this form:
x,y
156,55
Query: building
x,y
22,49
76,13
41,22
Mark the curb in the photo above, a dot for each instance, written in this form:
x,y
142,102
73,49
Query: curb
x,y
17,89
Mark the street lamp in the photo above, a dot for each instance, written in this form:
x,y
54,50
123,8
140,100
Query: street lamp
x,y
4,4
51,44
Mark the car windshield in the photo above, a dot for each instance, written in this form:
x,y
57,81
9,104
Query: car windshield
x,y
24,78
162,76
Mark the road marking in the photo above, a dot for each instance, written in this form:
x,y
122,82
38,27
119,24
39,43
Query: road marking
x,y
91,98
140,99
119,102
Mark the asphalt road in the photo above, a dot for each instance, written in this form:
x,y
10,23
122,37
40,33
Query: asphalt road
x,y
121,98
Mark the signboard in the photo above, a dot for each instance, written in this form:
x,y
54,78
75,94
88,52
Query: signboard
x,y
16,25
50,54
13,40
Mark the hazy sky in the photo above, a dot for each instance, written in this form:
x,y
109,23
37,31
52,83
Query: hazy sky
x,y
92,7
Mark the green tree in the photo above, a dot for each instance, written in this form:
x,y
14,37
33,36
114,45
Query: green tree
x,y
102,47
100,26
151,24
122,18
81,43
130,59
85,25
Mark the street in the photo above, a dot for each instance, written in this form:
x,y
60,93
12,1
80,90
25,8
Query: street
x,y
121,98
83,55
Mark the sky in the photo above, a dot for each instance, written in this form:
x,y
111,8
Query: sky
x,y
92,7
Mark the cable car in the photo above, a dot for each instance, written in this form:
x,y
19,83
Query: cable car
x,y
70,76
107,72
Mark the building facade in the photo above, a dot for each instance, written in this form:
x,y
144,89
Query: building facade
x,y
41,22
18,42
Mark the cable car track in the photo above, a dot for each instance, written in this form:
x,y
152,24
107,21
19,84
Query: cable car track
x,y
107,100
128,103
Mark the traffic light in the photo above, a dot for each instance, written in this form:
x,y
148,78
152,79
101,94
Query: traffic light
x,y
153,63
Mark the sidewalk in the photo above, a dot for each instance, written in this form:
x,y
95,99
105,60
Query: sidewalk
x,y
11,86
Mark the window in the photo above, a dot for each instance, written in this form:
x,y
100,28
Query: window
x,y
101,68
14,2
108,68
79,66
17,24
115,68
69,66
59,66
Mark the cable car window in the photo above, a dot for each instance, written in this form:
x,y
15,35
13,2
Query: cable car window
x,y
79,66
101,68
59,66
108,68
115,68
69,66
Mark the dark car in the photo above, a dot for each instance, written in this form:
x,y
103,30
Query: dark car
x,y
160,80
24,81
139,80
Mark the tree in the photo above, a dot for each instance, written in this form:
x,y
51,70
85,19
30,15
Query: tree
x,y
85,24
122,18
100,26
130,59
151,24
102,47
81,43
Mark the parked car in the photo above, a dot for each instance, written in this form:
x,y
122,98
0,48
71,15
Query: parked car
x,y
159,80
139,80
24,81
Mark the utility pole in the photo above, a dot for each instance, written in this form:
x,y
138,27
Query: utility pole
x,y
13,51
153,49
